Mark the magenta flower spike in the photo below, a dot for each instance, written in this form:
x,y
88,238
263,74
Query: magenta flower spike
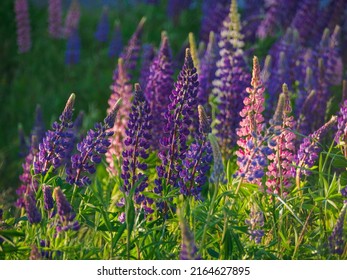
x,y
72,18
55,26
23,26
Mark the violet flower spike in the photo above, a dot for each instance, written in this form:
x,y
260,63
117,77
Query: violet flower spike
x,y
33,214
55,11
176,131
137,151
336,240
90,149
53,146
158,89
198,160
23,26
65,212
101,34
309,149
73,48
116,44
255,223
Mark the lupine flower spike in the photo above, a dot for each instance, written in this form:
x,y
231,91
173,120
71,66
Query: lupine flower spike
x,y
121,88
73,48
56,141
55,27
90,149
309,150
23,26
194,51
65,212
116,44
255,223
159,87
72,18
33,214
198,159
131,52
176,131
231,81
252,154
337,241
136,151
281,168
103,28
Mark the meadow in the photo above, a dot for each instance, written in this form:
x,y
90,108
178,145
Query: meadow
x,y
164,130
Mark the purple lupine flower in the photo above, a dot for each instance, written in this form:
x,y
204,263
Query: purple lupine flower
x,y
23,26
278,15
116,44
28,184
198,159
158,89
148,54
336,239
189,251
213,14
130,53
90,150
255,223
136,151
47,197
65,212
305,19
33,214
56,141
281,170
72,18
252,154
309,148
103,28
55,11
176,131
341,133
121,88
73,48
232,79
253,14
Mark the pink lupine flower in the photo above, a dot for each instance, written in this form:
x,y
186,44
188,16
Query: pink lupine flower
x,y
252,154
23,26
281,170
121,88
72,18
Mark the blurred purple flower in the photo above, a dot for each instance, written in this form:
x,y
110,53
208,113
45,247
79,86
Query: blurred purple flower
x,y
55,27
23,26
73,48
148,54
33,214
255,223
72,18
103,28
116,44
336,240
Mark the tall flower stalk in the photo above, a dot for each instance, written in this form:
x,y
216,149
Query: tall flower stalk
x,y
23,25
54,144
90,149
121,88
178,121
72,18
55,11
158,88
252,154
135,181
